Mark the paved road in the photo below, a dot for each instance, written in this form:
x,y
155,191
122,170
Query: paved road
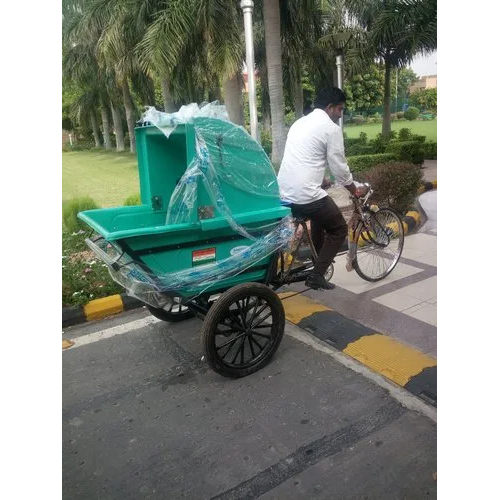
x,y
143,417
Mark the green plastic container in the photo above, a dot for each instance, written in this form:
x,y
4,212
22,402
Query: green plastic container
x,y
140,232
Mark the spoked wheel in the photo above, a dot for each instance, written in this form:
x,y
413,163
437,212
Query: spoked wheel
x,y
173,312
379,246
243,329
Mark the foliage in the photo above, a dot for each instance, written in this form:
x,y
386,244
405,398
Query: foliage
x,y
427,128
418,138
411,113
289,119
379,144
72,208
364,162
430,150
266,141
365,91
81,145
395,184
359,149
407,151
134,199
424,99
404,134
405,78
84,277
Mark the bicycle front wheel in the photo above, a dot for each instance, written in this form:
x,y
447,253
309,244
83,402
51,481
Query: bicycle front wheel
x,y
380,240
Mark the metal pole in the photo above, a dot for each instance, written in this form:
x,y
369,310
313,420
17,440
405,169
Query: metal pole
x,y
396,90
339,63
247,7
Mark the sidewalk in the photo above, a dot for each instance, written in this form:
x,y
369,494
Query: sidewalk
x,y
403,305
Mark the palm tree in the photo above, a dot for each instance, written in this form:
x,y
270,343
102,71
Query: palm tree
x,y
80,64
398,30
272,28
205,46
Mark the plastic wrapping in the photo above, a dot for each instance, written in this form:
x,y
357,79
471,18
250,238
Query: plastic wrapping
x,y
222,155
156,289
224,162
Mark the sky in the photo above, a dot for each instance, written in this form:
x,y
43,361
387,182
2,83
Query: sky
x,y
425,65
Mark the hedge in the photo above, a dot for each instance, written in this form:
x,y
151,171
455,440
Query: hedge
x,y
430,150
394,184
359,149
407,151
360,163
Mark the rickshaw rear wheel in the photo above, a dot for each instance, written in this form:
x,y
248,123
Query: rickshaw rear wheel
x,y
174,313
243,330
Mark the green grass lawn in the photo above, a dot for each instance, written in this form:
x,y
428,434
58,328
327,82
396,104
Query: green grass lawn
x,y
427,128
107,177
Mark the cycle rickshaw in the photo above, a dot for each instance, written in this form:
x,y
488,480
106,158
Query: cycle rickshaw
x,y
212,237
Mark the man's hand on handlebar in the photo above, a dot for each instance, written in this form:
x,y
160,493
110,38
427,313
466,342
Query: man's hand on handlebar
x,y
352,189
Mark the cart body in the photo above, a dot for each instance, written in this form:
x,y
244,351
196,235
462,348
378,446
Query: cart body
x,y
189,225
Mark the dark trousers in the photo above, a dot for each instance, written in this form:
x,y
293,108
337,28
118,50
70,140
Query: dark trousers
x,y
328,229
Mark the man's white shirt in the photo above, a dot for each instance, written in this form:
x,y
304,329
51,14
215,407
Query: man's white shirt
x,y
313,143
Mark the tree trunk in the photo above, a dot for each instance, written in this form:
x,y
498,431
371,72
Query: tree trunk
x,y
129,111
233,99
266,120
168,103
298,98
272,30
106,132
118,126
218,93
95,129
386,119
190,86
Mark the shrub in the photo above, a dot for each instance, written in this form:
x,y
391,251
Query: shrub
x,y
394,116
71,209
394,185
363,138
358,120
411,113
84,277
379,144
400,115
407,151
405,134
361,163
79,146
419,138
359,149
134,199
377,118
430,150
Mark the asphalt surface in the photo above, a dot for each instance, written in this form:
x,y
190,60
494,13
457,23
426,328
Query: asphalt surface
x,y
144,417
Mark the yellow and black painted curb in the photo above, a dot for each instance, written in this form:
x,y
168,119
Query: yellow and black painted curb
x,y
427,186
98,309
403,365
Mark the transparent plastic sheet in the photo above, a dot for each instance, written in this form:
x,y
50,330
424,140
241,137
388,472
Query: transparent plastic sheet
x,y
222,152
158,290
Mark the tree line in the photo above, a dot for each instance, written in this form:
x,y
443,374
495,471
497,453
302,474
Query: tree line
x,y
121,55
